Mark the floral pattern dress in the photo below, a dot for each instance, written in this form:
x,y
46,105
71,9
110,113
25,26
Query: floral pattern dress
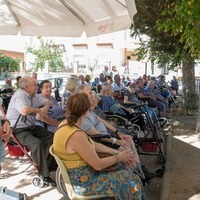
x,y
123,183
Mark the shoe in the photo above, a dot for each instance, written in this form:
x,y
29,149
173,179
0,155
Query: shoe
x,y
144,168
149,175
145,182
49,181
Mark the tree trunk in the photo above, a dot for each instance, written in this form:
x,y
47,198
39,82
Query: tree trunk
x,y
188,90
198,121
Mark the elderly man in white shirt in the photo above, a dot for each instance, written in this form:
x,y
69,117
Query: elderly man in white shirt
x,y
37,139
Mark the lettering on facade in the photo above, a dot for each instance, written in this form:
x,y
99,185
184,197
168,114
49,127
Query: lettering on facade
x,y
104,27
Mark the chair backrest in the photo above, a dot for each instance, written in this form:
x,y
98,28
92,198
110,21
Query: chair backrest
x,y
70,191
64,173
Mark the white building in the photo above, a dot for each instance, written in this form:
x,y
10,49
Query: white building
x,y
84,55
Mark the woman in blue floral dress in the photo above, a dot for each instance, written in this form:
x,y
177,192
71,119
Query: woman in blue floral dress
x,y
79,154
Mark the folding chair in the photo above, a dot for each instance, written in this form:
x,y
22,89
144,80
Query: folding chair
x,y
67,189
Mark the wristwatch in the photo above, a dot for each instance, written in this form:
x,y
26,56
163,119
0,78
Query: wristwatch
x,y
114,140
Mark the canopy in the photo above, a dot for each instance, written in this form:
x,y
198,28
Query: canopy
x,y
65,18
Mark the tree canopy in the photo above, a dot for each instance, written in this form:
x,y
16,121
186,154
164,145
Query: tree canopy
x,y
182,18
172,28
8,64
47,51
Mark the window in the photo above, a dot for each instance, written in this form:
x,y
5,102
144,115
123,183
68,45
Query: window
x,y
81,62
80,46
105,45
165,70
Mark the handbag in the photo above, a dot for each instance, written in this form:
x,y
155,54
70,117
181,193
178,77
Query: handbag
x,y
111,168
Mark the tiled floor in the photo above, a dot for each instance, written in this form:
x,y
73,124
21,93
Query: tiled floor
x,y
17,176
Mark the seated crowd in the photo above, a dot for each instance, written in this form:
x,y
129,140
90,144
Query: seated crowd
x,y
82,104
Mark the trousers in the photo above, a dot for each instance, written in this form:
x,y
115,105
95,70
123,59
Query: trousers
x,y
38,140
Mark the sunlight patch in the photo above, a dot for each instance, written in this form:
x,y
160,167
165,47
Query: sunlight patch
x,y
190,139
195,197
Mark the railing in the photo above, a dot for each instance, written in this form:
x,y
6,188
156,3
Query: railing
x,y
197,84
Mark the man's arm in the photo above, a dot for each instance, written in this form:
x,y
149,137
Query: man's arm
x,y
93,131
107,124
27,110
115,130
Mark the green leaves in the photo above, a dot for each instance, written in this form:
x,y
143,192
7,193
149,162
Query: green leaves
x,y
8,64
50,52
172,27
182,18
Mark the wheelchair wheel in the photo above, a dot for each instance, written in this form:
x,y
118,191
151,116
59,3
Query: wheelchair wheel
x,y
160,172
37,181
60,184
161,158
22,196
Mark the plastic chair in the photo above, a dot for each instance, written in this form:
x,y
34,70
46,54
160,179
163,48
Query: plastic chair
x,y
68,190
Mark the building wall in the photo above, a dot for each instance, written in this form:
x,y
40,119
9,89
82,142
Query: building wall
x,y
117,49
13,54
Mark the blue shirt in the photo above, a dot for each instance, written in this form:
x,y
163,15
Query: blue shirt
x,y
110,105
92,121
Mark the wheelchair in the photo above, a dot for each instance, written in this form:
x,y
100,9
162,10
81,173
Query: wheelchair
x,y
133,130
148,137
151,141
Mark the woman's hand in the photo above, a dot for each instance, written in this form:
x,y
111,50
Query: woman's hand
x,y
125,136
154,98
6,127
127,157
163,99
38,116
5,132
123,143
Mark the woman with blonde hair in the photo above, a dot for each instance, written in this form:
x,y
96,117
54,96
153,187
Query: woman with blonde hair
x,y
70,87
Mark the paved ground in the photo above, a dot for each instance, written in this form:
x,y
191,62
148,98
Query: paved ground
x,y
155,188
18,175
182,177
